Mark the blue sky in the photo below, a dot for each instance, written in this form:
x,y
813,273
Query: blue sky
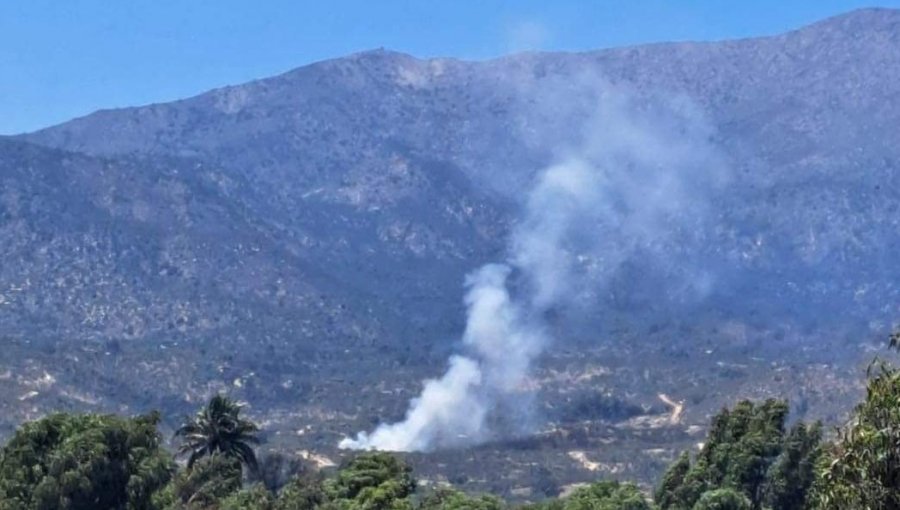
x,y
63,58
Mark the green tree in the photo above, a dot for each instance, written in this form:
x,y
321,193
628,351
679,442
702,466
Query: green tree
x,y
792,475
277,469
862,470
257,497
88,462
219,428
211,480
746,450
371,481
451,499
607,495
667,494
747,441
723,499
304,492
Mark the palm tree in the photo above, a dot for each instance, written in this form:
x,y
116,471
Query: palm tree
x,y
219,429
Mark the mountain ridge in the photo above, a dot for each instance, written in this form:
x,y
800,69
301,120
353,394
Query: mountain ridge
x,y
863,18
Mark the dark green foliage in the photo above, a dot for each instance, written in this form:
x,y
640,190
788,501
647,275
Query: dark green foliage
x,y
219,428
211,480
254,498
83,462
747,451
604,495
863,468
452,499
304,492
607,495
276,470
550,504
742,445
792,475
666,494
598,406
372,481
724,499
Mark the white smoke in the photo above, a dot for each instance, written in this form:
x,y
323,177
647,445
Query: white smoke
x,y
636,184
452,410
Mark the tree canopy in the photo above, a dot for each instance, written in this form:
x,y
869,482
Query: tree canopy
x,y
607,495
84,462
862,469
748,452
372,481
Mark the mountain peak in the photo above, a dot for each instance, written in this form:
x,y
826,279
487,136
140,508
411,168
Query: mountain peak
x,y
379,54
873,19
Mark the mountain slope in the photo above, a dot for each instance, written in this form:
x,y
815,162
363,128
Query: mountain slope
x,y
814,108
302,239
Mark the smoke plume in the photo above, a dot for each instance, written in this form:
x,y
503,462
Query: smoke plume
x,y
631,187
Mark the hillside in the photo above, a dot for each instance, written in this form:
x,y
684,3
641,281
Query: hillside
x,y
303,239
